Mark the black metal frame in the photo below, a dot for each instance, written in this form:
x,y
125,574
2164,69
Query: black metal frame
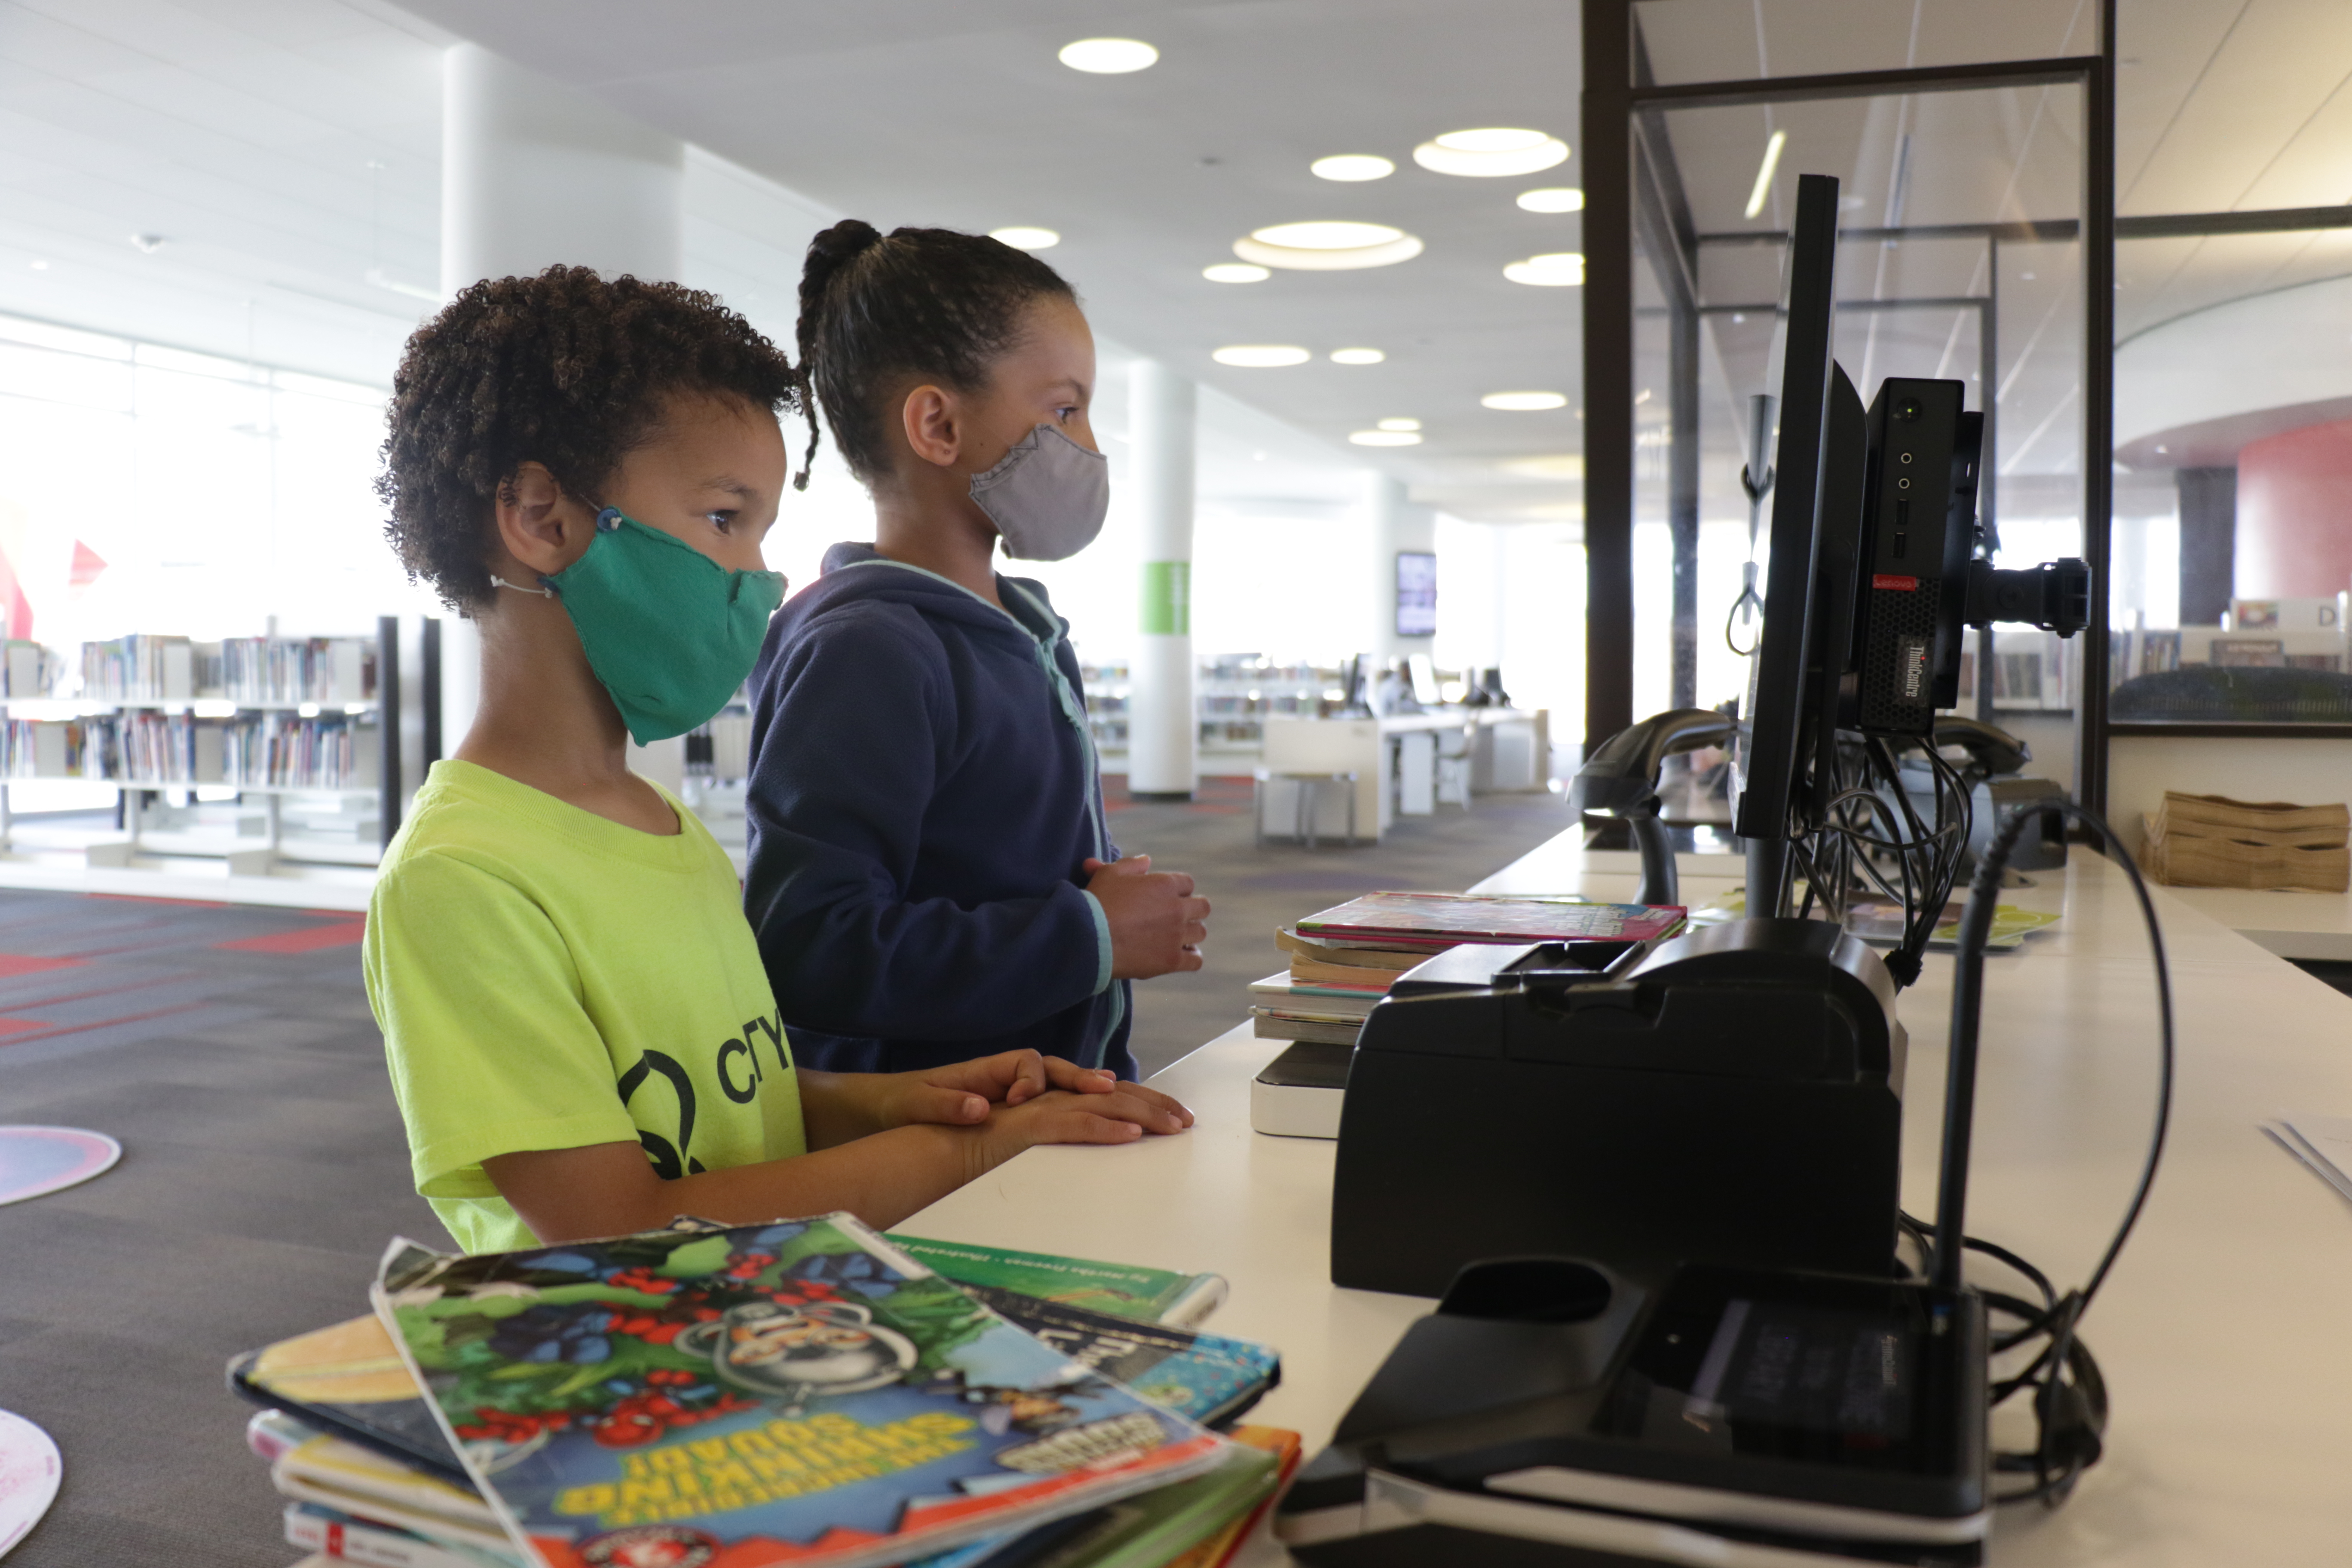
x,y
1617,94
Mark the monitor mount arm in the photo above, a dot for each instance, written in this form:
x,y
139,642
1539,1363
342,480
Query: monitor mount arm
x,y
2054,595
1621,781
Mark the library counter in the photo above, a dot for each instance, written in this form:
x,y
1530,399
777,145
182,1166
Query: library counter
x,y
2220,1331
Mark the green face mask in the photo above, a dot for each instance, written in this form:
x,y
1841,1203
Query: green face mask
x,y
670,632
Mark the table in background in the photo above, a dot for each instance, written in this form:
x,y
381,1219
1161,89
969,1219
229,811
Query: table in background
x,y
2221,1331
1506,748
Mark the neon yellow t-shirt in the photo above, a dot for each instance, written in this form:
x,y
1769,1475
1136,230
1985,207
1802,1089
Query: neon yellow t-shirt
x,y
546,978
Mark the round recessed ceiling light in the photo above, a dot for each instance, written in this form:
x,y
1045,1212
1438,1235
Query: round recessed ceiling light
x,y
1107,57
1552,199
1235,272
1356,356
1399,424
1560,270
1383,438
1328,246
1261,356
1351,166
1491,151
1560,465
1523,402
1021,236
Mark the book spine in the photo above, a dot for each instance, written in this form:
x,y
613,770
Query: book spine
x,y
357,1541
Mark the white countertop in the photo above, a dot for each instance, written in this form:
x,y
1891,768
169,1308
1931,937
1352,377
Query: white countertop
x,y
2223,1331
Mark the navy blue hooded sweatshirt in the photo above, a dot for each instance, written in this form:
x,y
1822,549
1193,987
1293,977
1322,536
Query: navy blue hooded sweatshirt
x,y
923,790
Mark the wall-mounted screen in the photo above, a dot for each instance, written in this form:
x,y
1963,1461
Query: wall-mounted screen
x,y
1416,593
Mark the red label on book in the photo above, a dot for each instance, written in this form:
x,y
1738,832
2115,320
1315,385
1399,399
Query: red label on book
x,y
1887,580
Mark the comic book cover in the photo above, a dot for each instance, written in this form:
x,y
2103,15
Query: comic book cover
x,y
1208,1377
798,1392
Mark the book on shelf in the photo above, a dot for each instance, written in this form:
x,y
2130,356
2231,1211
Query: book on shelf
x,y
800,1391
264,670
1432,921
1121,1289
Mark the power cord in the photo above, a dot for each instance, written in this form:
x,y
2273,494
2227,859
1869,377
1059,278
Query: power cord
x,y
2069,1395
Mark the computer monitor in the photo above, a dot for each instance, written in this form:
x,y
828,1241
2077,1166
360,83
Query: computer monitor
x,y
1416,595
1873,576
1772,745
1421,671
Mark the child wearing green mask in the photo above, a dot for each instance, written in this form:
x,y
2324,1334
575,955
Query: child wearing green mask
x,y
579,1026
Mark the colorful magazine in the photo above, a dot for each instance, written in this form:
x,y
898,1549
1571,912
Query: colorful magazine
x,y
799,1392
1122,1290
1206,1377
1437,920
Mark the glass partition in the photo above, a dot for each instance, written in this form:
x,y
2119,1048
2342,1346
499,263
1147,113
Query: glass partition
x,y
1961,259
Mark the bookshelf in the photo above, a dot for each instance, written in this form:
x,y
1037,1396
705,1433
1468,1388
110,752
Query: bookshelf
x,y
1233,695
304,728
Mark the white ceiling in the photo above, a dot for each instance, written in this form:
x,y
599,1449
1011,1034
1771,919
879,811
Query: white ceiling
x,y
285,149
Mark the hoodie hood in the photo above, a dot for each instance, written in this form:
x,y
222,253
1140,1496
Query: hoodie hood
x,y
852,571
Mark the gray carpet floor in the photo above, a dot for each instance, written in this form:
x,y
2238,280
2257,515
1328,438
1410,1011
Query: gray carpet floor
x,y
231,1051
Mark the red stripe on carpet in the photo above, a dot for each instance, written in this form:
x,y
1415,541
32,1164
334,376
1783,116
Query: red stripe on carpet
x,y
335,933
47,1032
18,1025
13,963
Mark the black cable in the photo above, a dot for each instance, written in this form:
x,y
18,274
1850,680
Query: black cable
x,y
2070,1395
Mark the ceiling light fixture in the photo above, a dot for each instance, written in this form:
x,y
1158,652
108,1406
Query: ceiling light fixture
x,y
383,279
1557,465
1552,199
1356,356
1261,356
1383,438
1559,269
1235,272
1398,424
1491,151
1523,402
1021,236
40,266
1107,57
1764,173
1350,168
1327,246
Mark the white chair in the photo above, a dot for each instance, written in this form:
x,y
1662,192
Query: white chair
x,y
1309,789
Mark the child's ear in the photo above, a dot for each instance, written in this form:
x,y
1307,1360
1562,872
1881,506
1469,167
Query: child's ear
x,y
541,526
933,419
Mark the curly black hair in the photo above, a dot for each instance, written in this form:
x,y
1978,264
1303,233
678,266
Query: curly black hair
x,y
566,369
921,301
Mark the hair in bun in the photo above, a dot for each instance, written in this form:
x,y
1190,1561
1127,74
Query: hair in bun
x,y
931,303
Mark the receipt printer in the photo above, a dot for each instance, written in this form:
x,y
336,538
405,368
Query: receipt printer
x,y
1733,1095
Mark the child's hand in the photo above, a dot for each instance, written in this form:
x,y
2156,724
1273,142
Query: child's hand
x,y
961,1094
1058,1116
1157,925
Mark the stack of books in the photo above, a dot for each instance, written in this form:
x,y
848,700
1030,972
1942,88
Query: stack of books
x,y
1343,961
803,1392
2213,841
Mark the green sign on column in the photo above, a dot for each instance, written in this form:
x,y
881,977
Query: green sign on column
x,y
1168,598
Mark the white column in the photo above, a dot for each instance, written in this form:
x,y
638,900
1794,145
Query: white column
x,y
1394,524
1163,728
534,172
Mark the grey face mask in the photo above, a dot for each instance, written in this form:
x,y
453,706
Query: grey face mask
x,y
1048,498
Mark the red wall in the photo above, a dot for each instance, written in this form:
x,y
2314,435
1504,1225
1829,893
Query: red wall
x,y
2294,513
